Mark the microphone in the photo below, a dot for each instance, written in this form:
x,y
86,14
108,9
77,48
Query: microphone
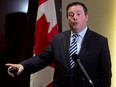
x,y
13,70
77,60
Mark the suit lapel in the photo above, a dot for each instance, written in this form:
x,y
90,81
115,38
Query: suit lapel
x,y
66,44
85,44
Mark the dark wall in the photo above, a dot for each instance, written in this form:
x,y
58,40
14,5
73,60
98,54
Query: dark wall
x,y
13,20
17,28
9,7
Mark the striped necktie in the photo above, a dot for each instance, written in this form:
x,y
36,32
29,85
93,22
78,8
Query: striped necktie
x,y
73,49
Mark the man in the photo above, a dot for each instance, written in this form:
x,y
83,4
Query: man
x,y
92,50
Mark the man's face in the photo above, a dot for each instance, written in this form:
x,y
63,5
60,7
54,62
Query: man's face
x,y
77,18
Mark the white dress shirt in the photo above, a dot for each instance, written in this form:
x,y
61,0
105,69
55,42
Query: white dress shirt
x,y
79,39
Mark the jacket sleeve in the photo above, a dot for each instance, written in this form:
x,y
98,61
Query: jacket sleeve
x,y
38,62
105,74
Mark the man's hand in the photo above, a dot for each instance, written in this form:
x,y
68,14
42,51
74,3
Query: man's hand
x,y
14,69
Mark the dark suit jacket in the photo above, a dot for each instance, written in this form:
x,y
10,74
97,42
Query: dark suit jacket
x,y
94,56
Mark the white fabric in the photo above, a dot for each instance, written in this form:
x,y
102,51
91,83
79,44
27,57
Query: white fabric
x,y
42,78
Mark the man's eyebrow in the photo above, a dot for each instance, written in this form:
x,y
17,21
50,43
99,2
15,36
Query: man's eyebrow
x,y
75,11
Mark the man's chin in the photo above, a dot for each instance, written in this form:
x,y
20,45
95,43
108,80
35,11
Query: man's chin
x,y
75,30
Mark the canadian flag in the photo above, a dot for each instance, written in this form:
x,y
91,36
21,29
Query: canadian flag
x,y
46,28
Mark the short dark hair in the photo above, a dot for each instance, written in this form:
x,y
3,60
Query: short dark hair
x,y
77,3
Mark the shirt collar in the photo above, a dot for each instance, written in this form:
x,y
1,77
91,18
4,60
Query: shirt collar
x,y
81,34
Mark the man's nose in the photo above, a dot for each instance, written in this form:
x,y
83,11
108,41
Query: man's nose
x,y
75,17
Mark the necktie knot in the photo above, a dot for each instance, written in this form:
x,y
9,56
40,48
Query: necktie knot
x,y
75,36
